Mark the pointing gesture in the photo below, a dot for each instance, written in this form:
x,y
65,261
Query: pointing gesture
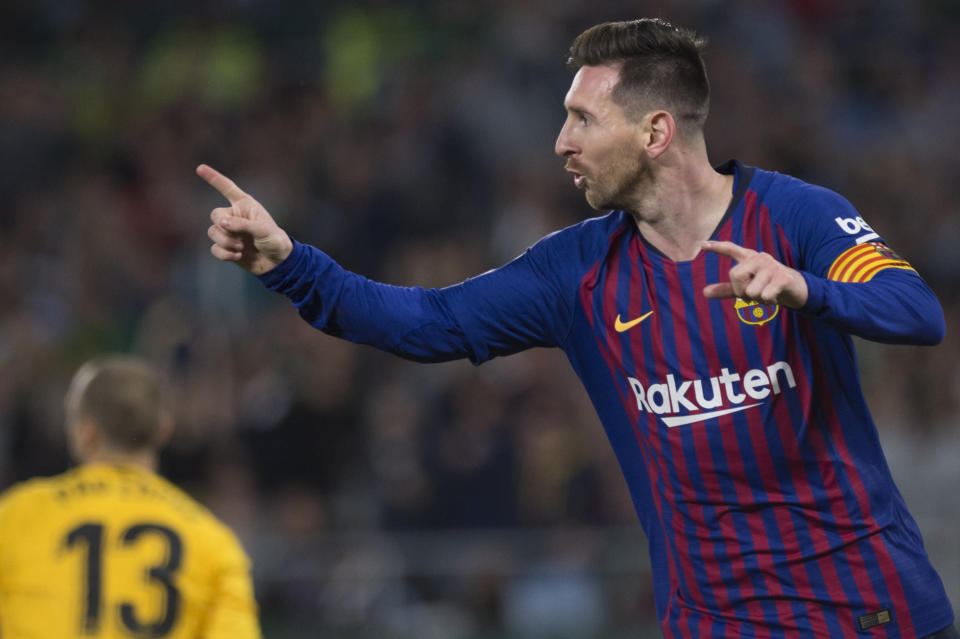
x,y
757,277
244,232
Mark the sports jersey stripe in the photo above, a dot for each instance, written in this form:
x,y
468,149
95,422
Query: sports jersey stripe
x,y
612,301
739,446
767,442
838,265
745,580
625,264
863,261
681,444
822,433
690,445
808,446
808,580
851,558
672,439
641,354
717,492
781,441
826,530
593,312
841,266
855,257
867,274
733,524
698,622
834,447
767,525
728,459
816,579
859,592
788,417
855,272
853,264
731,444
651,350
877,559
754,603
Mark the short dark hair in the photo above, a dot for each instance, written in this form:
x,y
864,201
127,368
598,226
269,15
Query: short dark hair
x,y
661,66
124,397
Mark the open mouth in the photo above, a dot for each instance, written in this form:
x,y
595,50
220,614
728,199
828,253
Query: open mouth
x,y
578,178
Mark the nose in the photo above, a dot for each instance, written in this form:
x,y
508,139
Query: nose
x,y
564,145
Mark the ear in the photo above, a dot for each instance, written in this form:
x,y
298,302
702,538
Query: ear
x,y
86,440
659,132
163,432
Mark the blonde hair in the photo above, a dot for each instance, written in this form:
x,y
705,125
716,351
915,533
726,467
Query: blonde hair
x,y
124,397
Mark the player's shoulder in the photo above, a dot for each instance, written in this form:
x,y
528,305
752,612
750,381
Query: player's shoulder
x,y
27,492
587,238
187,505
37,491
788,196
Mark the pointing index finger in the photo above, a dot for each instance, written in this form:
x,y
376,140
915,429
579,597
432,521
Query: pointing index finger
x,y
222,183
729,249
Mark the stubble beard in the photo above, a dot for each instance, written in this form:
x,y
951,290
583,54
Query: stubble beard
x,y
625,185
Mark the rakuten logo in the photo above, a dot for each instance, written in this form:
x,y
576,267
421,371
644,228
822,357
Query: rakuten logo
x,y
667,399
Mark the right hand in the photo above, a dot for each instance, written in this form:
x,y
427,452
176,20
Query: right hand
x,y
244,232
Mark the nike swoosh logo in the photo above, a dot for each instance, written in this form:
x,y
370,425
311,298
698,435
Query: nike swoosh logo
x,y
702,417
626,326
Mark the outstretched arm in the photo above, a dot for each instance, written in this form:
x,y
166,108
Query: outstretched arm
x,y
502,311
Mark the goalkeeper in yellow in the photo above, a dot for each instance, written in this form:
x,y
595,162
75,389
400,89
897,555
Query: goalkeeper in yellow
x,y
110,548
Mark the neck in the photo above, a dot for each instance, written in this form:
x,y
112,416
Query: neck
x,y
684,204
144,459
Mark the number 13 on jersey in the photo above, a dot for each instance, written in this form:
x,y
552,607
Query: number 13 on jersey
x,y
129,574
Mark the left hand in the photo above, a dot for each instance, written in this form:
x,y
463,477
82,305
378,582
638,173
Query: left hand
x,y
757,277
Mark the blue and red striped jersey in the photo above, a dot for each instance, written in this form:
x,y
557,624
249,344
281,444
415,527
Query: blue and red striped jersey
x,y
752,460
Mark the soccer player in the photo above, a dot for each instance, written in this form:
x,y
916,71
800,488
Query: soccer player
x,y
111,549
709,316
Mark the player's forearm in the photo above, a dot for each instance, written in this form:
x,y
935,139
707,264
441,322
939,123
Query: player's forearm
x,y
411,322
895,307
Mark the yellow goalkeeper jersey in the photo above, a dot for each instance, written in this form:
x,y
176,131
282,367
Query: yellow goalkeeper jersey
x,y
117,551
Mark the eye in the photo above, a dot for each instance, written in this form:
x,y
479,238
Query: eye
x,y
583,120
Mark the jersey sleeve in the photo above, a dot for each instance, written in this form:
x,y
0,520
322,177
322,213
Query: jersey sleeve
x,y
855,281
232,613
514,307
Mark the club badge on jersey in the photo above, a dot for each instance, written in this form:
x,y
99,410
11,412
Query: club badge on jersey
x,y
755,313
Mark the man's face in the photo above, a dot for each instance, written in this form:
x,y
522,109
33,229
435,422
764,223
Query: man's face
x,y
601,145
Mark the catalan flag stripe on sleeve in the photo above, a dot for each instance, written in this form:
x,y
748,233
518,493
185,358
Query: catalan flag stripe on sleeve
x,y
861,263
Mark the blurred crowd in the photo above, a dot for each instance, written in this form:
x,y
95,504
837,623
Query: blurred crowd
x,y
412,141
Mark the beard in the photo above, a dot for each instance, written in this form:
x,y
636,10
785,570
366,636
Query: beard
x,y
619,185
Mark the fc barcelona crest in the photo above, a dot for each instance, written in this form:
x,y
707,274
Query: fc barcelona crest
x,y
754,312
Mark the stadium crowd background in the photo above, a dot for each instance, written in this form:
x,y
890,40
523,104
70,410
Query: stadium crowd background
x,y
413,142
